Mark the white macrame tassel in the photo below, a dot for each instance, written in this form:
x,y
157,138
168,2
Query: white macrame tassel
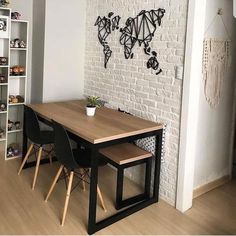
x,y
215,67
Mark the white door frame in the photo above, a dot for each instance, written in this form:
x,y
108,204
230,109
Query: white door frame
x,y
190,103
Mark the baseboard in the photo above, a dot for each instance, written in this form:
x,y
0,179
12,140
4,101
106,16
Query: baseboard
x,y
210,186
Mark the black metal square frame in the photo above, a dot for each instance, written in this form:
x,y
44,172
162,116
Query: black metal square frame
x,y
120,203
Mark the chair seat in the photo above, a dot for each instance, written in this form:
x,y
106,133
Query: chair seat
x,y
125,153
82,157
46,137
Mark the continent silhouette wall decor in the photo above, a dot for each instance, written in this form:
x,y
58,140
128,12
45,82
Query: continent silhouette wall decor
x,y
138,30
105,26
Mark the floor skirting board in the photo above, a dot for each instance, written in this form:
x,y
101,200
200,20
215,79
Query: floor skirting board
x,y
210,186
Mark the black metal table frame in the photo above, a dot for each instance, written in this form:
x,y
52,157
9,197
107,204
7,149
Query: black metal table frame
x,y
94,226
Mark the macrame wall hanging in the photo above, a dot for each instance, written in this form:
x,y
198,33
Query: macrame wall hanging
x,y
215,65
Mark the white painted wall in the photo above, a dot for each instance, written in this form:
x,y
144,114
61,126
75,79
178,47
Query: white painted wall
x,y
190,104
215,125
25,8
64,49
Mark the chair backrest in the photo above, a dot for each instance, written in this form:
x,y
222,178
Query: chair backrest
x,y
32,127
63,147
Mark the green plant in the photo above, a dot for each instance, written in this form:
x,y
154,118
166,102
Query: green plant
x,y
93,101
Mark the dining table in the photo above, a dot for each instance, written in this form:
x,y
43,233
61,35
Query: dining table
x,y
108,127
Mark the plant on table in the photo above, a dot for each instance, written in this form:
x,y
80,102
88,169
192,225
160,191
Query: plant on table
x,y
93,102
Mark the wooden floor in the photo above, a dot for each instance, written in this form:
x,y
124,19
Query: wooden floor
x,y
23,211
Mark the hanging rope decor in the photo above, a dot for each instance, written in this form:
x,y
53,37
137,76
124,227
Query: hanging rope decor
x,y
215,67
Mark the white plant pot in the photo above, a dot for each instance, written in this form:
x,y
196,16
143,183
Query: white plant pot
x,y
90,111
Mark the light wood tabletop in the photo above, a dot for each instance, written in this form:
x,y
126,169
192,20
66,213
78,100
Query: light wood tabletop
x,y
106,125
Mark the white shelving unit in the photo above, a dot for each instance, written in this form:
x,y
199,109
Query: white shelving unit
x,y
4,70
16,84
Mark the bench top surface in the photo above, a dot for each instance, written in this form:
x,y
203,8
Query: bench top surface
x,y
125,153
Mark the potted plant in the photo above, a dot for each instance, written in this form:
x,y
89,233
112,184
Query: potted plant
x,y
93,102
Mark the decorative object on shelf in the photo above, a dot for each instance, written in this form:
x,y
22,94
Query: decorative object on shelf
x,y
215,66
16,43
1,133
105,26
3,106
10,98
22,44
15,99
12,43
16,151
20,99
10,152
3,61
10,125
93,102
138,30
3,79
4,3
4,32
17,70
17,125
15,15
13,150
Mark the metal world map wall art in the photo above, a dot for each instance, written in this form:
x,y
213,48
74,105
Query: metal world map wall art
x,y
138,30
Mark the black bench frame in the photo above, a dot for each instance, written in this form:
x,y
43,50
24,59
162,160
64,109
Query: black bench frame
x,y
120,203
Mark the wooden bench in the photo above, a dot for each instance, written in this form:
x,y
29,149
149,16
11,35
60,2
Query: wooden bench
x,y
123,156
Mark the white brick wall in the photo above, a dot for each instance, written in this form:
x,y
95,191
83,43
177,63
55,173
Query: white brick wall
x,y
128,84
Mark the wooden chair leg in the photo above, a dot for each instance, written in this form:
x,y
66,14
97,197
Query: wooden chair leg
x,y
101,199
54,182
37,167
82,172
26,158
67,197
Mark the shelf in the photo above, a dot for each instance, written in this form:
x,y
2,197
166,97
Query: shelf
x,y
14,131
16,104
19,21
14,157
5,9
3,112
15,84
17,76
18,49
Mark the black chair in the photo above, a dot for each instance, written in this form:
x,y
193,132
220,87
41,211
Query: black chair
x,y
70,160
37,137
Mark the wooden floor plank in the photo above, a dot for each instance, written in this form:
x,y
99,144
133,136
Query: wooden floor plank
x,y
23,211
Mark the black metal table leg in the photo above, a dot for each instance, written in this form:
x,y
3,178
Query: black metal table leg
x,y
148,177
157,168
93,191
119,187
